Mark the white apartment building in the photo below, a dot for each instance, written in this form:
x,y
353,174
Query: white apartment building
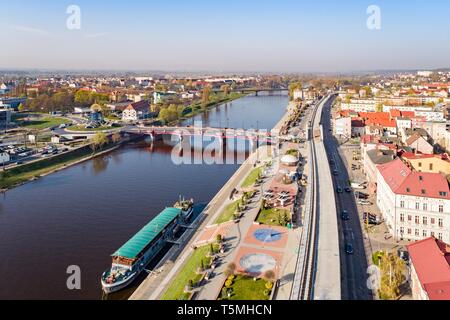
x,y
365,105
343,126
414,205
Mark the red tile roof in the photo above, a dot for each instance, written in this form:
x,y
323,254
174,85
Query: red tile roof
x,y
431,260
395,113
408,114
402,180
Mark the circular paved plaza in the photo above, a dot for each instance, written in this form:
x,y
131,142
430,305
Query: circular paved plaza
x,y
257,263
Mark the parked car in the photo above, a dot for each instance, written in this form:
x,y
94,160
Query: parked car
x,y
365,202
348,189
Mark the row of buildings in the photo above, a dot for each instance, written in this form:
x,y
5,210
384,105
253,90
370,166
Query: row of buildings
x,y
404,135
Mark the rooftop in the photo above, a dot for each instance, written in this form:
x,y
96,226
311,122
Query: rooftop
x,y
431,260
402,180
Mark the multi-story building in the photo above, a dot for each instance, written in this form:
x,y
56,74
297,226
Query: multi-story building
x,y
136,111
343,126
432,163
368,105
430,269
415,205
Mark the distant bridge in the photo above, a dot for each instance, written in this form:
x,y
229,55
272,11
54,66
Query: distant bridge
x,y
255,90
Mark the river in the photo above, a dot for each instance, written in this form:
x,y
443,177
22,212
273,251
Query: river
x,y
81,215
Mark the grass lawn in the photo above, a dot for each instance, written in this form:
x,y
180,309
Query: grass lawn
x,y
42,123
188,272
228,212
251,178
245,288
267,215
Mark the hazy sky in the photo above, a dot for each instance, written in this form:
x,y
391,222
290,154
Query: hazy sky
x,y
233,35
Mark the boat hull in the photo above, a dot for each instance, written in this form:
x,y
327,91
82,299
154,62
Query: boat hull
x,y
114,287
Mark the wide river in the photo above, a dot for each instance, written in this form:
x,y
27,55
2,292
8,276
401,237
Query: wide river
x,y
81,215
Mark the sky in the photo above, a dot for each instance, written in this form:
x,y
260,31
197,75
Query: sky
x,y
225,36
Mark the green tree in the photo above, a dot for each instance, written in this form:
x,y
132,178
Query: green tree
x,y
21,108
98,141
293,87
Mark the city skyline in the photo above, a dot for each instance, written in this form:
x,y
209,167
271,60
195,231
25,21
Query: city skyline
x,y
232,37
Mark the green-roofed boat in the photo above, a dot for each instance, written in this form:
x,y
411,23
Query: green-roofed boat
x,y
132,258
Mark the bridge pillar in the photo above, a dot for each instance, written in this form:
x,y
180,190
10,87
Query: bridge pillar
x,y
256,93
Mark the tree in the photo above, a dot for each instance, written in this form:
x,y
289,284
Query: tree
x,y
206,95
98,141
392,269
116,137
269,275
230,270
226,89
293,87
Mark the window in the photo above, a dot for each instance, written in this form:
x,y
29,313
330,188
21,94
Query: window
x,y
431,167
409,218
417,206
402,204
425,233
441,208
402,217
425,207
433,221
432,234
443,193
417,219
440,236
417,233
420,166
425,221
402,231
441,223
424,191
409,231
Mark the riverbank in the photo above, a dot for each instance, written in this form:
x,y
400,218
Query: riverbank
x,y
43,167
197,108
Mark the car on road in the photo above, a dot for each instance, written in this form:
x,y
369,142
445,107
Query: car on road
x,y
349,248
339,190
344,215
348,189
335,172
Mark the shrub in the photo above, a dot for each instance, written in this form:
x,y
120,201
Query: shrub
x,y
269,285
228,283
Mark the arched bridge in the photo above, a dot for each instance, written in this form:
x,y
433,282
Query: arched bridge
x,y
220,133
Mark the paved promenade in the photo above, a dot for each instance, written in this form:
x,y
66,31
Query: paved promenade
x,y
157,282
